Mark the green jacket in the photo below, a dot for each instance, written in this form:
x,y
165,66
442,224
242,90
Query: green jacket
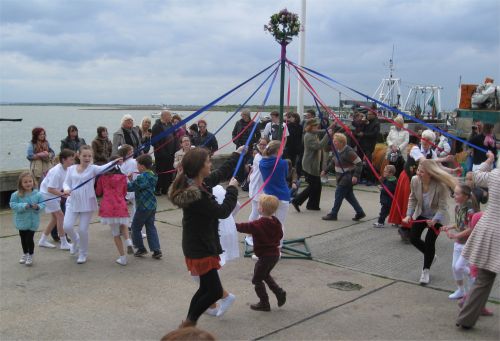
x,y
313,147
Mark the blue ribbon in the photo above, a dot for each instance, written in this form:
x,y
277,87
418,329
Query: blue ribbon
x,y
396,110
242,155
174,127
240,107
199,111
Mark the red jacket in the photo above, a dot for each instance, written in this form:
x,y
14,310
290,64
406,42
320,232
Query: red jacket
x,y
266,233
113,188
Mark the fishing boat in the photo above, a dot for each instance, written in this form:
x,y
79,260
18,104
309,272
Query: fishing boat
x,y
477,102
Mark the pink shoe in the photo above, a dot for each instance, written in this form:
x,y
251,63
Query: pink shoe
x,y
486,312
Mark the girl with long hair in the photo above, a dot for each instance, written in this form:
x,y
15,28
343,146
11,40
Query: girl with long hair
x,y
428,206
39,154
192,191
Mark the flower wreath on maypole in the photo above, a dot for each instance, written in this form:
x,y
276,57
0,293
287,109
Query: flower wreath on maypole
x,y
283,26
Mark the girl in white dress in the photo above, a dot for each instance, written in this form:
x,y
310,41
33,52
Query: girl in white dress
x,y
256,182
81,201
51,189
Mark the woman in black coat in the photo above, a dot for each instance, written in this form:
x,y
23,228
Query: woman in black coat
x,y
192,191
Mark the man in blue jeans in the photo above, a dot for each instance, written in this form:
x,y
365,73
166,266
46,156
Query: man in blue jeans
x,y
144,187
348,167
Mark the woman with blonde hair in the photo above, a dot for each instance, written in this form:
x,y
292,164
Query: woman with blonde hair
x,y
428,208
145,134
311,167
416,154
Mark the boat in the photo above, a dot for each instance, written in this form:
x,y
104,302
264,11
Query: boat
x,y
477,102
11,119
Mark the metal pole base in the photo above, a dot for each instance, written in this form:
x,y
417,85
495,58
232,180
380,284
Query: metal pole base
x,y
292,248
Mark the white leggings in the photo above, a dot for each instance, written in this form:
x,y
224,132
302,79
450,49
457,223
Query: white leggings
x,y
83,237
254,215
281,214
460,266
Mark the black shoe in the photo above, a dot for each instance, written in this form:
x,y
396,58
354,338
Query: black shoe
x,y
404,233
296,206
261,306
157,254
158,193
358,217
329,217
463,327
140,253
281,298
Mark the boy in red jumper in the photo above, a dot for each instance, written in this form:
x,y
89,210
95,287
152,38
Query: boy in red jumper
x,y
267,233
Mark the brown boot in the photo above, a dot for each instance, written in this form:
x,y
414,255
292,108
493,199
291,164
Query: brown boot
x,y
261,306
187,323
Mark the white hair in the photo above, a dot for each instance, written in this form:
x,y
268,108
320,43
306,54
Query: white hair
x,y
127,117
429,135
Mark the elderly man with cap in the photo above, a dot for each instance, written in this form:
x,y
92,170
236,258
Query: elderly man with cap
x,y
165,146
244,124
127,134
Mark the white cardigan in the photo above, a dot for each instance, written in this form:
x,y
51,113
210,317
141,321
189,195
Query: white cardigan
x,y
399,138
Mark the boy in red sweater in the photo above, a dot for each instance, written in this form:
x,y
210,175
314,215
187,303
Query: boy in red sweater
x,y
267,233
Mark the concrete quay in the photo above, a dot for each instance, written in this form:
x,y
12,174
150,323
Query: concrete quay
x,y
56,299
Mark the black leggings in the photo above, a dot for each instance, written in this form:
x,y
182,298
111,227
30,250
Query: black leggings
x,y
27,241
427,247
209,292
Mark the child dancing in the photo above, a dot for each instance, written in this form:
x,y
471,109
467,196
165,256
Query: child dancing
x,y
267,233
26,204
82,202
112,186
144,187
51,189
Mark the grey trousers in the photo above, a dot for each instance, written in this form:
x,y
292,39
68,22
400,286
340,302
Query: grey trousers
x,y
477,298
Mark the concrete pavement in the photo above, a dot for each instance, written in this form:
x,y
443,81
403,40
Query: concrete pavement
x,y
57,299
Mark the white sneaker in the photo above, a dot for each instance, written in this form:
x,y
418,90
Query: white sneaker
x,y
73,248
81,259
459,293
249,240
44,243
122,260
212,312
378,225
65,245
23,258
29,260
225,303
425,277
255,258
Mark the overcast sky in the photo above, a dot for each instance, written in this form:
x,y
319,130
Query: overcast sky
x,y
192,51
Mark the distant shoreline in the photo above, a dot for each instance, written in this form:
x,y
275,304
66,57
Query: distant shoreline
x,y
90,106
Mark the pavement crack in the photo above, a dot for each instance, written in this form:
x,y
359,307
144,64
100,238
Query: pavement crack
x,y
324,311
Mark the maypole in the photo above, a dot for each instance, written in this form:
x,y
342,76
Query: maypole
x,y
283,26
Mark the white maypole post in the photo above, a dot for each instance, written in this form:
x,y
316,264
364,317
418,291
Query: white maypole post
x,y
302,48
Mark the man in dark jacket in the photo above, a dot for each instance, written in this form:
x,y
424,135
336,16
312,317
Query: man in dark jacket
x,y
368,139
164,150
245,122
205,138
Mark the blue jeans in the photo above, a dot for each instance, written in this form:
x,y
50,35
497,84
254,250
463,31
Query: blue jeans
x,y
347,193
145,218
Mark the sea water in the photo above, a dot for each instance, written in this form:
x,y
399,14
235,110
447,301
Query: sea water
x,y
15,136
